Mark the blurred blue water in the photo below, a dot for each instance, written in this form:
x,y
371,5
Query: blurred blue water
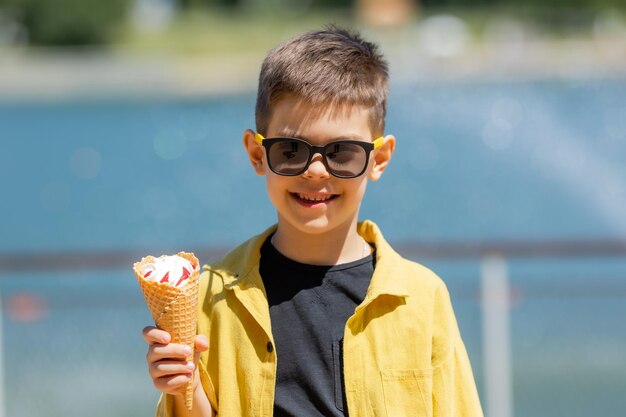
x,y
473,161
536,160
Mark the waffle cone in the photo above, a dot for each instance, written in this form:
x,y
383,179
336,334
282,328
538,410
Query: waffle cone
x,y
174,309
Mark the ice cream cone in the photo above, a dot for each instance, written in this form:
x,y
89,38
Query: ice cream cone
x,y
174,309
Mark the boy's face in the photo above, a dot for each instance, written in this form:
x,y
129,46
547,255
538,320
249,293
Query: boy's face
x,y
315,201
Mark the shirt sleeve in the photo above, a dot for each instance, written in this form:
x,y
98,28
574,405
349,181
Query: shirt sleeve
x,y
165,406
454,389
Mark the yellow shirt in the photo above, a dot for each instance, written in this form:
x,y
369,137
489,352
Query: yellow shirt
x,y
402,350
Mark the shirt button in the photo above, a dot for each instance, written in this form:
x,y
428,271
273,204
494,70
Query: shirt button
x,y
270,347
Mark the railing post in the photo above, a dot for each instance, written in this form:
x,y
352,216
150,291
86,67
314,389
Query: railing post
x,y
496,336
2,397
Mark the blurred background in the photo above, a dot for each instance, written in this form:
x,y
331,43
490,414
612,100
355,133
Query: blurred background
x,y
120,134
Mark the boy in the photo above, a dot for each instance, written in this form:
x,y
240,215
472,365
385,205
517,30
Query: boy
x,y
318,316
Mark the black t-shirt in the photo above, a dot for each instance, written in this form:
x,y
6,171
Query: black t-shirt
x,y
309,307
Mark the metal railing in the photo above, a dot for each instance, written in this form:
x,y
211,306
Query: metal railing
x,y
78,259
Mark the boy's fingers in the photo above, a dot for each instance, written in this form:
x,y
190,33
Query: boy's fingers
x,y
155,335
172,350
171,367
170,384
202,343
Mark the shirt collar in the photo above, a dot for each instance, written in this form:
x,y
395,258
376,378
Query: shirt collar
x,y
240,267
388,278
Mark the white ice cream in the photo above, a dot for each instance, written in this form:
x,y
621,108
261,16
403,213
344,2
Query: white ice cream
x,y
171,269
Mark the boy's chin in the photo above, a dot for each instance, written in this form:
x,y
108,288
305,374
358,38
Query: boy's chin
x,y
318,226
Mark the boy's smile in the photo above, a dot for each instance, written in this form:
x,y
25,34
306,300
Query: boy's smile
x,y
313,199
316,204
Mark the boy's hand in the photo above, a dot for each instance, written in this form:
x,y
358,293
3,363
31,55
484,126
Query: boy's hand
x,y
166,361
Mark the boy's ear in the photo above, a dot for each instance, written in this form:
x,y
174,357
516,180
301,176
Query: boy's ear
x,y
255,151
382,156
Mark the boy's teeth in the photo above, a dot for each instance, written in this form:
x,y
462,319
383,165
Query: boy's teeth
x,y
312,198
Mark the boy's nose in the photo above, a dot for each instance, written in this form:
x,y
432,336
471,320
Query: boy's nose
x,y
316,168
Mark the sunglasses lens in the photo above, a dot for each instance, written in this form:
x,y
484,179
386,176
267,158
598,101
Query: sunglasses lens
x,y
288,157
346,159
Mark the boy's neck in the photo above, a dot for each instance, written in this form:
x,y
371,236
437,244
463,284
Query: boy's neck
x,y
330,248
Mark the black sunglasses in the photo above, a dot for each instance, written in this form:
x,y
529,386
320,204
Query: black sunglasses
x,y
342,158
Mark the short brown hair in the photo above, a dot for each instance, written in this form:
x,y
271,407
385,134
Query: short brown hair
x,y
332,67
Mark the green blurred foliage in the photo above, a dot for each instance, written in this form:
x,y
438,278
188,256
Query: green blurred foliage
x,y
208,3
535,7
544,4
266,3
554,16
68,22
95,22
